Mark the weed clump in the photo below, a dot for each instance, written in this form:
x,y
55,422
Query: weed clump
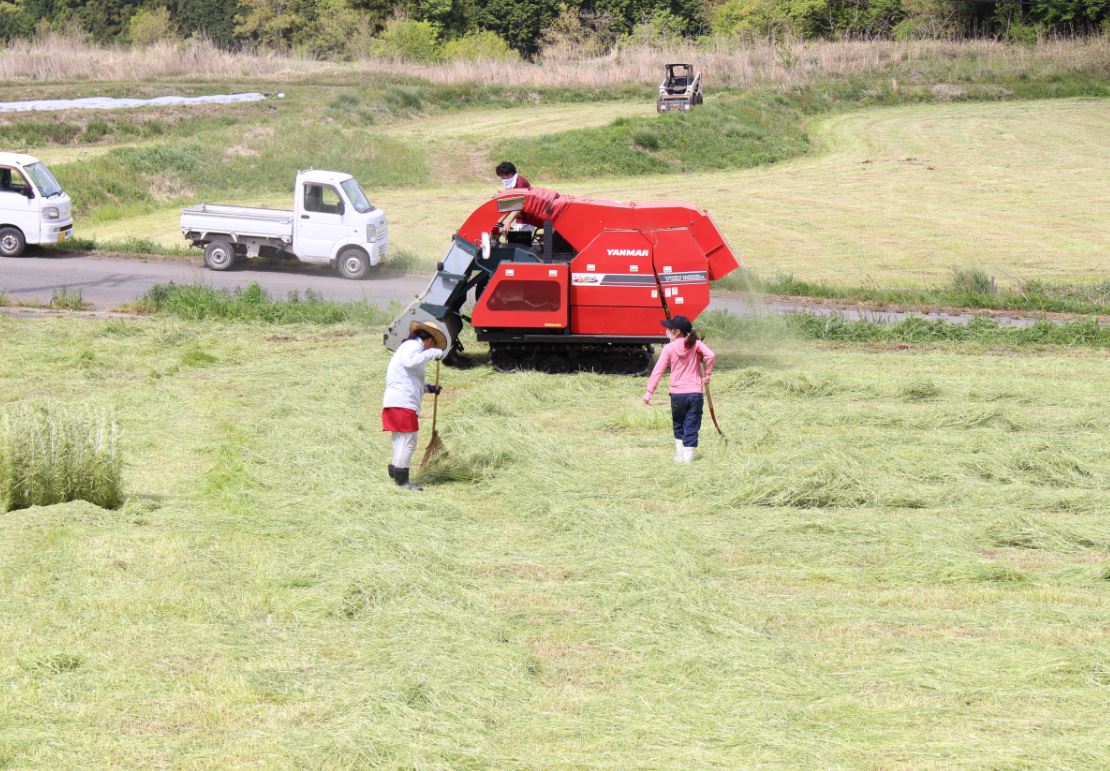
x,y
919,391
52,453
66,299
972,281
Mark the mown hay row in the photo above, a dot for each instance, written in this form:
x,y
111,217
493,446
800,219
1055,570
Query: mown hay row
x,y
53,453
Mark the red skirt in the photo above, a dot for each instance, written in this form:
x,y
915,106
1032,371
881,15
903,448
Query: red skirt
x,y
399,419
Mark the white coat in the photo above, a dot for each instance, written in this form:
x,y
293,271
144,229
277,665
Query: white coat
x,y
404,379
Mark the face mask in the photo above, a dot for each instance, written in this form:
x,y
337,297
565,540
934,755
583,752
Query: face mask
x,y
509,182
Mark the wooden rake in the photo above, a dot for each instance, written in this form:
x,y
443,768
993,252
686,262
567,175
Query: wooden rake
x,y
435,446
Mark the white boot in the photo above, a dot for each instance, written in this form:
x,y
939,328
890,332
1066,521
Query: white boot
x,y
688,454
678,451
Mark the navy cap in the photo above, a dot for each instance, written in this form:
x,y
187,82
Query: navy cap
x,y
681,323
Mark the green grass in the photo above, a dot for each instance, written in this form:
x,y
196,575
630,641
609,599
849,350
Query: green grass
x,y
64,298
56,453
874,181
968,288
197,302
900,558
737,131
726,133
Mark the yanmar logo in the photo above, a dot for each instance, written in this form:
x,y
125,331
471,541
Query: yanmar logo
x,y
627,252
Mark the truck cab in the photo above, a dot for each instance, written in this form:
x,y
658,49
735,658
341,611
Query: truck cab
x,y
33,207
332,213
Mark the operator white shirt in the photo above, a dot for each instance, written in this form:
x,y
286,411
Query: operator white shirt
x,y
404,379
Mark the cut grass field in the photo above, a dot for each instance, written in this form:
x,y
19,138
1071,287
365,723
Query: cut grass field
x,y
899,560
893,196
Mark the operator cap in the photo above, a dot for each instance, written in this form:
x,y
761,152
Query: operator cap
x,y
681,323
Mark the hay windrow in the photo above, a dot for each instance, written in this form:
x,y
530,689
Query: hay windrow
x,y
560,571
53,453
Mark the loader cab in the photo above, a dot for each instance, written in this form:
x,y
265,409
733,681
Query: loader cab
x,y
678,79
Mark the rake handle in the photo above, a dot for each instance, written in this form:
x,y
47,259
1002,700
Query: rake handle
x,y
435,400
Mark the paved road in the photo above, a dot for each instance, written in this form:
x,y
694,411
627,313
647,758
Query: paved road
x,y
108,282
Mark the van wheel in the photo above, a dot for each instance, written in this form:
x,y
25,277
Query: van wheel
x,y
353,263
12,242
219,254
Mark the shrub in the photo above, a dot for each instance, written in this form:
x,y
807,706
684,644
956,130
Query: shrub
x,y
149,26
52,453
480,45
753,17
408,40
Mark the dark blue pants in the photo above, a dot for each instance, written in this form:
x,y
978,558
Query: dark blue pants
x,y
686,415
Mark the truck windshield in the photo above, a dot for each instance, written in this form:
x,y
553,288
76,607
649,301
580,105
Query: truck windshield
x,y
358,198
44,180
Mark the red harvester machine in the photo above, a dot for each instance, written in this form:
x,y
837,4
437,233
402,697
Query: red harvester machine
x,y
579,284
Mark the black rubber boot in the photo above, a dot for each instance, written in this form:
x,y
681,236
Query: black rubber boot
x,y
392,471
401,477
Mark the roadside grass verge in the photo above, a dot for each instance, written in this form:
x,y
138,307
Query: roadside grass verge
x,y
968,288
55,453
198,302
904,551
835,328
68,299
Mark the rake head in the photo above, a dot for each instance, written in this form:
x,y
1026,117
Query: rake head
x,y
435,449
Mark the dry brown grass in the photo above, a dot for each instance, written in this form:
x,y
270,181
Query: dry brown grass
x,y
730,63
724,62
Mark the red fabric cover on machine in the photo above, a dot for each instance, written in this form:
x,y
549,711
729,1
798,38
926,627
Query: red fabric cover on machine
x,y
399,419
542,204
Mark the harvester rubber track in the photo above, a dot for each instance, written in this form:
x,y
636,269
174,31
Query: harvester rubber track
x,y
602,358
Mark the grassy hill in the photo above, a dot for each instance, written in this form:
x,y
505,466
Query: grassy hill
x,y
891,196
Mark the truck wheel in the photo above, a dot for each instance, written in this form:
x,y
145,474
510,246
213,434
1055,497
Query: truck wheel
x,y
11,242
219,254
353,263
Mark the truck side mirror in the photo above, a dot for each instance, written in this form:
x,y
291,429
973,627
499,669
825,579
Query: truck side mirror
x,y
27,191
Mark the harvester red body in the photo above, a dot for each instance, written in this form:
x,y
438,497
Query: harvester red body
x,y
578,282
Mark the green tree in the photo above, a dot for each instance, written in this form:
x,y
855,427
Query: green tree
x,y
521,24
149,25
15,21
408,39
214,19
478,45
105,20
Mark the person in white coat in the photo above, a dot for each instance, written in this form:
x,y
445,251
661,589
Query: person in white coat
x,y
404,391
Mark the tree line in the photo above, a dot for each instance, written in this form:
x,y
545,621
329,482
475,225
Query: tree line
x,y
426,30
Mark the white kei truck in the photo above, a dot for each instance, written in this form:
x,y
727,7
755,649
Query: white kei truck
x,y
33,207
332,222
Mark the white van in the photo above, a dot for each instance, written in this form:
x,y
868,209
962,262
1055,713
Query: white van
x,y
33,207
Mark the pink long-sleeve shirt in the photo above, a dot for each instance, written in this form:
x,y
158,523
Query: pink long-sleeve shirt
x,y
683,363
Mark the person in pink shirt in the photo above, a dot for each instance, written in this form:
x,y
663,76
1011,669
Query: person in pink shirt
x,y
683,356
